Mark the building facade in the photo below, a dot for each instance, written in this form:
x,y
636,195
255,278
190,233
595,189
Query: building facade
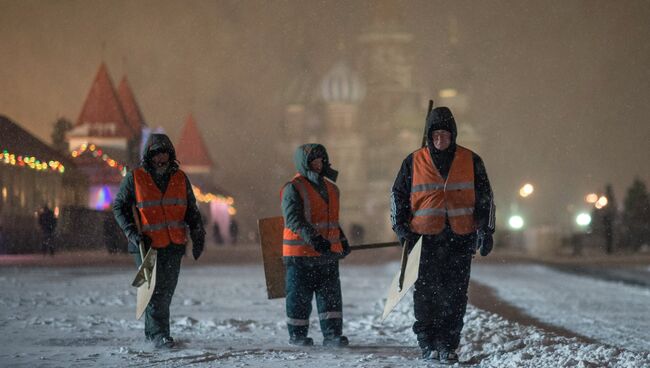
x,y
369,111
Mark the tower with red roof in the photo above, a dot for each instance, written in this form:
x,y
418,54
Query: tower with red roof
x,y
191,151
106,136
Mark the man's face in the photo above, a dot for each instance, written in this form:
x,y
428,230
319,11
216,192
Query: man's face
x,y
441,139
160,160
316,165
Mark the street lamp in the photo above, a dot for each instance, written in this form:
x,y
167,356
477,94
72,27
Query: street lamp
x,y
526,190
516,222
591,198
583,219
601,202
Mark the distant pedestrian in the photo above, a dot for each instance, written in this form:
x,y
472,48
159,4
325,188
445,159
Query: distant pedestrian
x,y
3,245
47,223
234,231
216,234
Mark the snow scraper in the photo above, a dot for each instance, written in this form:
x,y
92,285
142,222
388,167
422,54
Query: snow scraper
x,y
270,230
410,264
145,279
404,280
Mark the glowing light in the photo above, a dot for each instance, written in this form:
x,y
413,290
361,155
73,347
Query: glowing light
x,y
516,222
583,219
591,198
209,197
102,198
447,93
602,202
30,162
526,190
97,152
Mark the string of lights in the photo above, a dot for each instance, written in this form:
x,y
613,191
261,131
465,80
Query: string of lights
x,y
30,162
209,197
99,153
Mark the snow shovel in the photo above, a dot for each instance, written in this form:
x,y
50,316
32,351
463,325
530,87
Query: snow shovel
x,y
145,279
410,265
404,280
270,230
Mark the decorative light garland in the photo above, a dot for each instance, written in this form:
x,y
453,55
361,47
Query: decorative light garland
x,y
200,196
209,197
98,153
30,162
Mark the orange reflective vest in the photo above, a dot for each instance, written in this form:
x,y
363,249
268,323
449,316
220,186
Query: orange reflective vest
x,y
323,216
162,215
433,198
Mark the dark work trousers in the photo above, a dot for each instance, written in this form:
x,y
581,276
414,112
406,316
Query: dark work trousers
x,y
440,294
168,265
302,281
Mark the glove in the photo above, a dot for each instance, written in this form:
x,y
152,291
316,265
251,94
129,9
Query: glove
x,y
321,245
484,242
136,238
198,241
404,233
346,249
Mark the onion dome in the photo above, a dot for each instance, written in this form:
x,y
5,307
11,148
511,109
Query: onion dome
x,y
342,85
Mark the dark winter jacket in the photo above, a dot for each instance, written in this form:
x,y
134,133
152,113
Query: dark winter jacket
x,y
292,204
442,119
125,198
46,220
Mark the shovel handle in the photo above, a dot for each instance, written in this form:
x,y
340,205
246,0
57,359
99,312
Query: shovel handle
x,y
374,246
402,269
136,218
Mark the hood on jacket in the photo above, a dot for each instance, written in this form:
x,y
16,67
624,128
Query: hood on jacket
x,y
308,152
441,118
155,144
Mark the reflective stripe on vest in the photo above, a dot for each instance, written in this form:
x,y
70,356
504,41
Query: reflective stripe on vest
x,y
433,199
162,215
323,216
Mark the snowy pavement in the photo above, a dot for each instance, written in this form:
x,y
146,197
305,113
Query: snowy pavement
x,y
81,317
611,312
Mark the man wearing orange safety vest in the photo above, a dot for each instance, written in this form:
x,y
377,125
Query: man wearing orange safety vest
x,y
313,243
166,207
443,194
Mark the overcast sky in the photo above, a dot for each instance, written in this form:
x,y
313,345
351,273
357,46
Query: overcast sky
x,y
560,89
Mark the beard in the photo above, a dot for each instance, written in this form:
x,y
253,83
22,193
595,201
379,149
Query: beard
x,y
161,168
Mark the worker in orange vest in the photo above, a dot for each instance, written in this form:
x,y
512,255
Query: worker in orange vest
x,y
442,193
166,207
313,243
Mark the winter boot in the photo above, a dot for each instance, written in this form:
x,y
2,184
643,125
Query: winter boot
x,y
301,341
164,342
429,353
336,341
448,357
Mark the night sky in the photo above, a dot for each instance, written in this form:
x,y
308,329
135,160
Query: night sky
x,y
559,89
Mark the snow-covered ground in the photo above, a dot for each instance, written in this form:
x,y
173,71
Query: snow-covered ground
x,y
611,312
80,317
